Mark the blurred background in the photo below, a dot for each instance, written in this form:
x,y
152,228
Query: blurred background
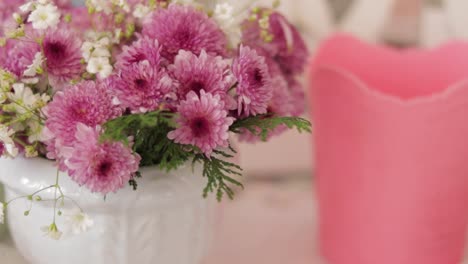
x,y
274,220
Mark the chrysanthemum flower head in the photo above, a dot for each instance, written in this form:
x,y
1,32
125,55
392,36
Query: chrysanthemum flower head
x,y
254,89
182,27
141,87
101,167
19,55
88,102
142,49
203,122
194,73
62,51
273,35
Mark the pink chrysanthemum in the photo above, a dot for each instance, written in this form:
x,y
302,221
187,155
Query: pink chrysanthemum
x,y
88,102
182,27
141,50
2,149
203,122
8,7
141,87
101,167
287,47
63,57
19,54
281,104
254,89
204,72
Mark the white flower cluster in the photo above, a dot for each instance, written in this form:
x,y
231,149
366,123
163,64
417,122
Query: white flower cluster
x,y
106,5
34,69
97,56
23,108
44,14
76,222
140,11
10,149
229,15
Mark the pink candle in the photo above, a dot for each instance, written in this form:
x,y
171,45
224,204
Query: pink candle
x,y
391,131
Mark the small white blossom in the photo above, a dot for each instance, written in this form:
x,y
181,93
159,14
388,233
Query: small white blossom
x,y
44,16
122,4
17,17
24,98
10,151
117,36
100,5
52,231
99,48
224,12
33,80
100,66
35,130
2,213
78,222
26,7
141,11
36,65
86,50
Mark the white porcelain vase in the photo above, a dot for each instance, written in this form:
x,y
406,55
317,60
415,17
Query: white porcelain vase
x,y
166,221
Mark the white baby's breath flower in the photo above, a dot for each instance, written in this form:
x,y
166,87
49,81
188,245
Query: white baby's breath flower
x,y
35,128
101,52
99,48
18,19
224,15
36,65
229,15
86,50
122,4
52,231
44,16
26,7
10,149
100,66
100,5
24,98
117,36
78,222
141,11
224,12
33,80
2,213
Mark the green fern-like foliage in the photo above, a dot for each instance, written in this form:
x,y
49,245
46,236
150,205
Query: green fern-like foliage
x,y
219,174
150,139
263,125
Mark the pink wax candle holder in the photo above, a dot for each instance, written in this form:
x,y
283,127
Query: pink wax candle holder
x,y
391,132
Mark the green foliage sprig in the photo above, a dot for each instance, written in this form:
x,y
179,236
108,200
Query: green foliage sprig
x,y
263,125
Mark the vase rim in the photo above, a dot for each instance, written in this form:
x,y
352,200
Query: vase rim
x,y
339,54
451,91
25,176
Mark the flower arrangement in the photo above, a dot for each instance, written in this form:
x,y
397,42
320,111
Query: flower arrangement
x,y
105,89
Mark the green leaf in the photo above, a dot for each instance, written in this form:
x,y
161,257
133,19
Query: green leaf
x,y
149,131
121,128
263,125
